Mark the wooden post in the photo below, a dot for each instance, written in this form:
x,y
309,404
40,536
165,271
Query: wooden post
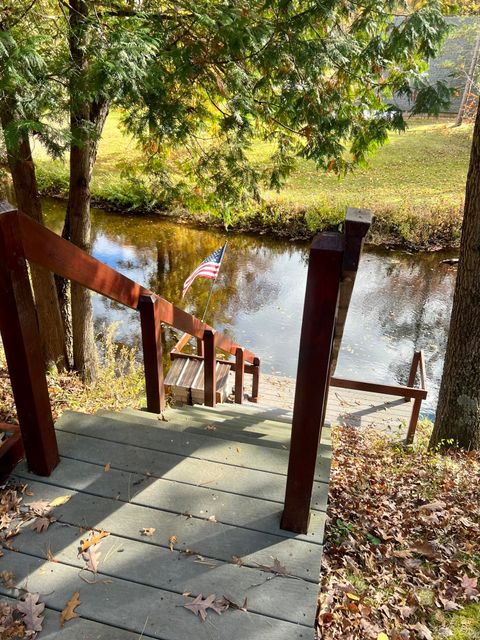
x,y
21,341
357,224
239,374
313,374
413,372
199,347
255,380
412,427
152,352
210,368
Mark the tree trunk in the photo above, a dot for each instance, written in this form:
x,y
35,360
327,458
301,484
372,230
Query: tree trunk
x,y
24,180
458,411
87,118
469,82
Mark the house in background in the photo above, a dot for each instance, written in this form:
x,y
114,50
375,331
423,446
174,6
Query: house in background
x,y
453,63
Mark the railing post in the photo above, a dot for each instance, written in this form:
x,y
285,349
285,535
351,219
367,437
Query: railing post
x,y
357,224
152,352
210,368
413,372
313,374
199,347
21,341
412,427
255,380
239,374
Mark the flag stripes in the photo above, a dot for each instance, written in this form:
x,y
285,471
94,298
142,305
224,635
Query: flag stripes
x,y
209,268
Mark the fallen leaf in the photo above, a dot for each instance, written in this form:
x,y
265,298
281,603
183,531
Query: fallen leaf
x,y
237,560
42,523
147,531
199,606
172,542
382,636
57,502
50,556
8,579
470,586
352,596
423,631
107,467
32,610
92,557
212,519
276,568
95,537
68,613
425,549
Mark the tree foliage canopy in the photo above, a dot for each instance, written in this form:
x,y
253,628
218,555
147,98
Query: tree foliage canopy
x,y
200,81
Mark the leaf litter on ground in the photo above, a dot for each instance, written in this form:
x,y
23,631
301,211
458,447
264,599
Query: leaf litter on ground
x,y
402,542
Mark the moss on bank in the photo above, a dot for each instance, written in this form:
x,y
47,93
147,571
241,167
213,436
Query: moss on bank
x,y
414,185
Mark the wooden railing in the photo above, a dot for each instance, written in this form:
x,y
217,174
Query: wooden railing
x,y
332,269
239,366
23,239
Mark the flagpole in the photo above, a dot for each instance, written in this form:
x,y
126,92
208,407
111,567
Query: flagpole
x,y
213,283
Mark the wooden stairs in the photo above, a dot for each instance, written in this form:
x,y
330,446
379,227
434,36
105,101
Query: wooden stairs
x,y
211,483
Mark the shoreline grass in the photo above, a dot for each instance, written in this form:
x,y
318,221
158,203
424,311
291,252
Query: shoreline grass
x,y
414,185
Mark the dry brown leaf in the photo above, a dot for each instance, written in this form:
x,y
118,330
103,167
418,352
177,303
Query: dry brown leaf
x,y
69,612
107,467
200,606
276,568
92,557
172,541
423,631
42,523
425,549
50,556
32,610
212,519
95,537
147,531
8,579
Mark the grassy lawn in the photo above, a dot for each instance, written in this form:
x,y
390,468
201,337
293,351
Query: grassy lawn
x,y
414,185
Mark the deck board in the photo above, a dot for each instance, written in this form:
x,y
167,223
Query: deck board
x,y
174,481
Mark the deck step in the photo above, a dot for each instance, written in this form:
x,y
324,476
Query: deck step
x,y
185,381
217,492
257,427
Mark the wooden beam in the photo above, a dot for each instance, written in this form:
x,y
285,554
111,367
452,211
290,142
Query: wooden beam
x,y
152,353
21,341
374,387
313,375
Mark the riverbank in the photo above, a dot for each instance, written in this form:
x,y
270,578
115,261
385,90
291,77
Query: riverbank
x,y
414,185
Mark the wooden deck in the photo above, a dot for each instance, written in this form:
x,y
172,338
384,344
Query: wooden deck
x,y
361,409
212,478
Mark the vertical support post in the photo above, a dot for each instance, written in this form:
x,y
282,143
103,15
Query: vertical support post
x,y
313,375
21,341
239,374
413,372
357,224
412,427
255,380
152,352
210,368
199,347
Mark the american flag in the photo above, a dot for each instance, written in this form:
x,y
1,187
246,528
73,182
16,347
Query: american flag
x,y
209,268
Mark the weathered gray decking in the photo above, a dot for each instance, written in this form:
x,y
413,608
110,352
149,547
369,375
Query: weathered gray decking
x,y
227,464
389,414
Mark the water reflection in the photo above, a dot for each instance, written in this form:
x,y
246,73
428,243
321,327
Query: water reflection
x,y
401,302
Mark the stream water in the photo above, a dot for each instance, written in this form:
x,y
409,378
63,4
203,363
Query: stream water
x,y
401,302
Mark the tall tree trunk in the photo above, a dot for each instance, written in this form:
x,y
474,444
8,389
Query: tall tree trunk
x,y
469,82
24,180
87,118
458,411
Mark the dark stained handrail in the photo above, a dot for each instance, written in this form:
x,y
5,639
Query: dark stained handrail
x,y
21,239
48,250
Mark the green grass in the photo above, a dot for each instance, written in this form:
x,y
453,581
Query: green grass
x,y
414,184
464,624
